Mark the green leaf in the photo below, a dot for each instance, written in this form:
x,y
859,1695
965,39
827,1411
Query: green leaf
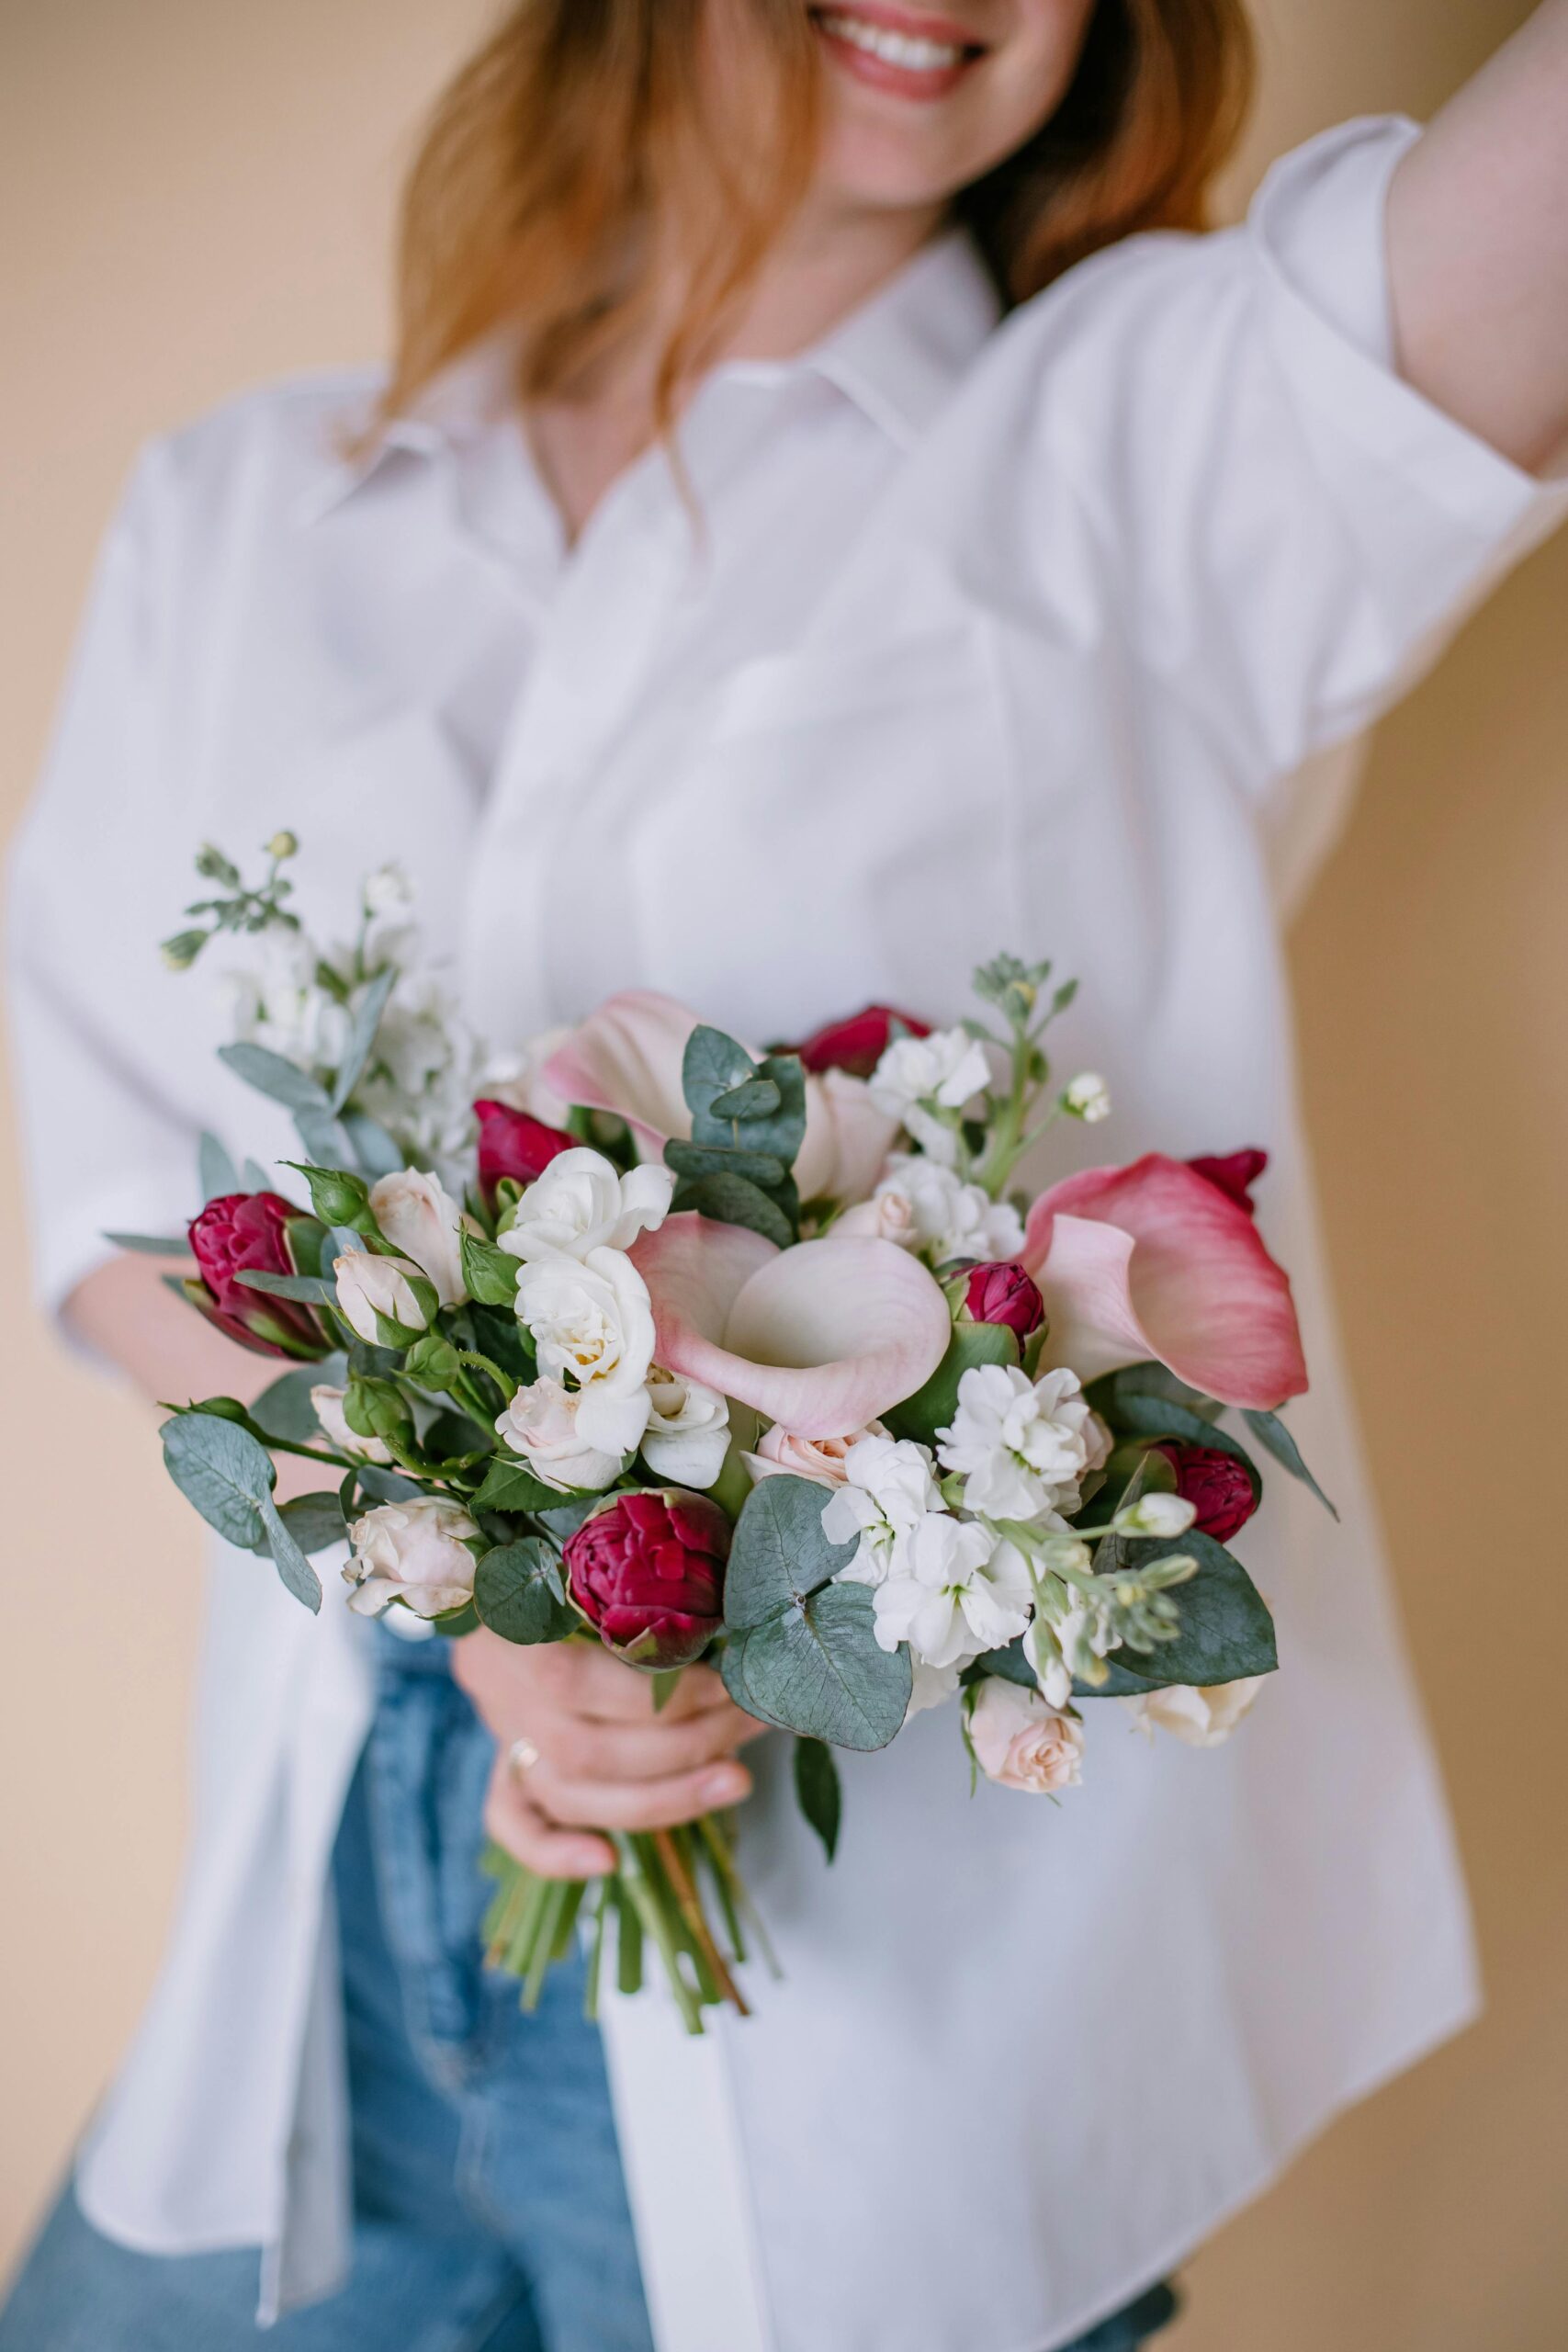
x,y
1226,1629
715,1071
1008,1665
779,1553
509,1486
269,1073
519,1593
497,1333
362,1036
818,1670
285,1409
817,1792
224,1471
379,1153
712,1065
315,1522
756,1098
1141,1415
490,1274
299,1577
310,1288
563,1519
732,1200
933,1407
699,1160
151,1244
1149,1379
216,1172
1270,1432
384,1485
324,1137
254,1178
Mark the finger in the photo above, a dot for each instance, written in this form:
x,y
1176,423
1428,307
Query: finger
x,y
591,1682
637,1805
519,1825
586,1748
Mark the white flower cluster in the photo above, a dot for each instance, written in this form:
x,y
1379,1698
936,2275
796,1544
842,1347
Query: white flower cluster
x,y
925,1206
927,1083
600,1396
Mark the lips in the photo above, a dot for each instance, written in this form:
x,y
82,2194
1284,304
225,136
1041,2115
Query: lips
x,y
896,50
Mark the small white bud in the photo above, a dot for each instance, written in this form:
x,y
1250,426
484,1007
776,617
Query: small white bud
x,y
1160,1515
1088,1098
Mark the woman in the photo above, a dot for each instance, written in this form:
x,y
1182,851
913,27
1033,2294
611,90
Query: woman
x,y
721,597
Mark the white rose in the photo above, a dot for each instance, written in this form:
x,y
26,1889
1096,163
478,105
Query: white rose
x,y
1022,1447
1021,1742
368,1286
1198,1717
928,1208
592,1318
687,1435
419,1217
582,1202
952,1590
415,1553
541,1424
888,1488
327,1406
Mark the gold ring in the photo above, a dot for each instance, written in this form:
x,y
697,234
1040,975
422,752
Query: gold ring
x,y
521,1757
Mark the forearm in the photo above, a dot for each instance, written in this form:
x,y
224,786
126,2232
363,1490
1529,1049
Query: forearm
x,y
1478,248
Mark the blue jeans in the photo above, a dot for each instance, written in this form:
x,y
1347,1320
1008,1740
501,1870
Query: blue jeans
x,y
490,2211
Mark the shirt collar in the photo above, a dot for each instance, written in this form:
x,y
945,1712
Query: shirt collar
x,y
898,358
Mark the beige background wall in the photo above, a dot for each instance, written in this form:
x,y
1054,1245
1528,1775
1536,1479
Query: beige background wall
x,y
194,193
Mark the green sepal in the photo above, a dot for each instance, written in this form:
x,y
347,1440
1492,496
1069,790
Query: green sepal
x,y
489,1273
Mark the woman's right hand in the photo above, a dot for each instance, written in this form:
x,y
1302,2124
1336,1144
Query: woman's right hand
x,y
604,1759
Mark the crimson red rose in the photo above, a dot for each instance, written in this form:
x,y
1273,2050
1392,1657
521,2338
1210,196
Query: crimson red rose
x,y
1002,1293
512,1144
647,1570
857,1044
1216,1485
1235,1172
248,1232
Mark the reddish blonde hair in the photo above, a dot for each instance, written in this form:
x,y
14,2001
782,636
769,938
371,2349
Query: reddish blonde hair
x,y
590,142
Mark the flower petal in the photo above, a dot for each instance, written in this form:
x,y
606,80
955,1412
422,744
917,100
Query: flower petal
x,y
626,1057
847,1138
695,1268
1154,1260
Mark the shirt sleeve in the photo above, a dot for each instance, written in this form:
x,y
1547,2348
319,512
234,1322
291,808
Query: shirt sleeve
x,y
107,1144
1290,531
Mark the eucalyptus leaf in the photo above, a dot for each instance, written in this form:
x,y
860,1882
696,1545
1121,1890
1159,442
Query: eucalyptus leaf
x,y
817,1792
224,1471
269,1073
216,1172
285,1409
733,1200
254,1178
1226,1629
563,1519
362,1036
385,1485
756,1098
299,1577
311,1289
1270,1431
315,1522
519,1593
151,1244
698,1159
323,1136
779,1553
1008,1665
818,1669
378,1153
509,1486
933,1407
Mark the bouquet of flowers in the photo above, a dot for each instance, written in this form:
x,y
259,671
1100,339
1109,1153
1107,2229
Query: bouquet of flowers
x,y
647,1338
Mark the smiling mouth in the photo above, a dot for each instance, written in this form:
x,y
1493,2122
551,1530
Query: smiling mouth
x,y
909,55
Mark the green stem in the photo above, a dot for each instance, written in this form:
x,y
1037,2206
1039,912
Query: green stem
x,y
656,1923
503,1380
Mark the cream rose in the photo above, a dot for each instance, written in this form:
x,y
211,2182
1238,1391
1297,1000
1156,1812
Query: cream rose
x,y
414,1552
688,1429
1199,1716
374,1294
1021,1742
582,1202
541,1424
419,1217
780,1452
590,1319
327,1406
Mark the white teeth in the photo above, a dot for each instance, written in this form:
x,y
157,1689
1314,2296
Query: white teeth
x,y
915,56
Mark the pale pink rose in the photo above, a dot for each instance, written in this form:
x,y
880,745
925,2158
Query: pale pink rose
x,y
1021,1742
1198,1717
888,1217
781,1451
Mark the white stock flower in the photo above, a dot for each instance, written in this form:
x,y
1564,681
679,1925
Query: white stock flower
x,y
1022,1742
387,891
541,1423
688,1429
415,1553
1022,1447
582,1202
327,1405
276,1000
888,1488
928,1207
419,1217
952,1590
368,1286
918,1075
1198,1717
1088,1098
592,1318
517,1078
1075,1645
932,1686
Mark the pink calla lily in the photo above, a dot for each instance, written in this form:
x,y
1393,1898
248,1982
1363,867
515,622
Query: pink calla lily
x,y
626,1057
1154,1260
824,1336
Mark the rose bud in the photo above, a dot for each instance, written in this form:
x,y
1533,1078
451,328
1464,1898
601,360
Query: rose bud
x,y
857,1044
512,1144
1235,1172
647,1570
388,1302
1000,1291
248,1233
1215,1484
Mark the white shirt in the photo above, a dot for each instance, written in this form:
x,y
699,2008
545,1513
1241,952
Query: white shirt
x,y
1044,636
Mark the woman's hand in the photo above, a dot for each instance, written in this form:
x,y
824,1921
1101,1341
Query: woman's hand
x,y
604,1760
